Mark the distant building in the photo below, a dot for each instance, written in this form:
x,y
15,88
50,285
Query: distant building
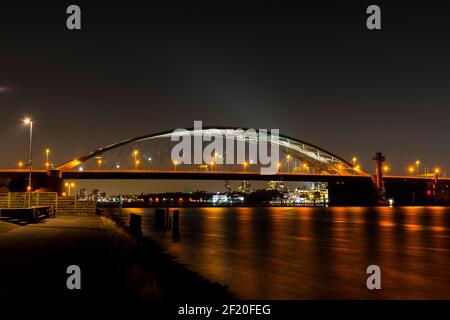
x,y
276,185
220,198
83,194
245,186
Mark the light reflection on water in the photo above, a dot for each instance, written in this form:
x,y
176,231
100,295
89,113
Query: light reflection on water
x,y
314,253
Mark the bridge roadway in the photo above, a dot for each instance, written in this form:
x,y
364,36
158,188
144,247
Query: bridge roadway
x,y
191,175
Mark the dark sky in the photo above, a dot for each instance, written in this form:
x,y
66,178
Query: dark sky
x,y
312,70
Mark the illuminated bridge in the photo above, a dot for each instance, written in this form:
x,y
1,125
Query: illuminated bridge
x,y
226,154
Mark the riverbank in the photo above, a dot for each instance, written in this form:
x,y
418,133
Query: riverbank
x,y
114,265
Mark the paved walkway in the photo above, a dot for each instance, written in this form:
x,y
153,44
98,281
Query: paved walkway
x,y
34,259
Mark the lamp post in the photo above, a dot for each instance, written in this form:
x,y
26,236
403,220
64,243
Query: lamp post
x,y
47,163
417,167
29,122
245,164
288,157
69,186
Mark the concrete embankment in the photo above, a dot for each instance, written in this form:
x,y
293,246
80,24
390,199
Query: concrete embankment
x,y
114,265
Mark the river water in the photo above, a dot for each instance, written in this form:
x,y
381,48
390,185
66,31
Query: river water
x,y
314,253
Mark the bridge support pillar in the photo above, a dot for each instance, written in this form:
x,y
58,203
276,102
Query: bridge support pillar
x,y
379,159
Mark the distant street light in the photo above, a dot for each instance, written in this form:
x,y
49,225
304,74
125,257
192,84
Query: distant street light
x,y
99,162
417,167
29,122
289,162
437,171
354,159
386,168
47,163
69,185
20,164
136,164
245,164
175,163
411,170
305,167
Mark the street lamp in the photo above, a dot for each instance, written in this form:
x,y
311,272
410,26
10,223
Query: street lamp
x,y
386,168
29,122
99,162
217,156
289,162
305,167
437,171
175,163
136,164
69,186
411,170
20,164
417,167
354,164
245,164
47,163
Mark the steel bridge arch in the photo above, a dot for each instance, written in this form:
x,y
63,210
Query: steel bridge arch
x,y
297,145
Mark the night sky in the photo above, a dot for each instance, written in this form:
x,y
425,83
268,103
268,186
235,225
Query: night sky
x,y
312,70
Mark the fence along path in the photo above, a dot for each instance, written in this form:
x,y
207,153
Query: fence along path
x,y
62,205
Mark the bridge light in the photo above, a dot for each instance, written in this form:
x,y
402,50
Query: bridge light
x,y
47,163
136,164
80,169
175,163
411,170
27,120
288,157
245,164
20,164
437,170
99,162
417,167
354,161
386,168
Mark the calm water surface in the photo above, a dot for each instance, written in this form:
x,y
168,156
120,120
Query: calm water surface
x,y
314,253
